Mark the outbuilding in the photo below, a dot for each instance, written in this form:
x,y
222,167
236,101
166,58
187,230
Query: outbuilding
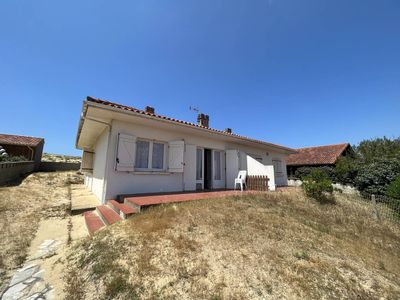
x,y
17,145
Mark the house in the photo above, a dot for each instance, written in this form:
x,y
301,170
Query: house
x,y
318,156
27,146
132,151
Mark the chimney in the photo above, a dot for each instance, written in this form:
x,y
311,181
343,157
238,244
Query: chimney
x,y
203,120
149,109
228,130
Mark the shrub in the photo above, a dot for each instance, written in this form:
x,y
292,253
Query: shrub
x,y
346,169
318,186
374,178
303,172
12,158
393,190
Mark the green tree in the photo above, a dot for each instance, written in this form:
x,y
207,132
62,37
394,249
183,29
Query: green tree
x,y
346,169
371,150
393,190
375,177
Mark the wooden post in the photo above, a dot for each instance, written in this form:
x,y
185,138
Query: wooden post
x,y
375,207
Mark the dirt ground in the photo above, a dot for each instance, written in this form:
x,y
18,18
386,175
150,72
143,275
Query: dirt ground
x,y
30,212
267,246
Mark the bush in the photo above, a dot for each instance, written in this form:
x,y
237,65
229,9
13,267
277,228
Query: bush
x,y
13,158
393,190
374,178
318,186
346,170
303,172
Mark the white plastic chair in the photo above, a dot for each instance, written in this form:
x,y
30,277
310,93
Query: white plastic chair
x,y
241,179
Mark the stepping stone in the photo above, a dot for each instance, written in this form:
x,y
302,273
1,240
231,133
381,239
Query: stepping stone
x,y
23,274
15,292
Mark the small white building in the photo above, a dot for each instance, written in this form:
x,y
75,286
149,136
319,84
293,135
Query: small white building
x,y
132,151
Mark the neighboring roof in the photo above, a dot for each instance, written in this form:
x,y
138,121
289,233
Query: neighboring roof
x,y
320,155
8,139
160,117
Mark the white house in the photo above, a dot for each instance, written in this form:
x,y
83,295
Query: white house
x,y
132,151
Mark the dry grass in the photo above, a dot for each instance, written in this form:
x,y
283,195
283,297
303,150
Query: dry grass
x,y
267,246
22,206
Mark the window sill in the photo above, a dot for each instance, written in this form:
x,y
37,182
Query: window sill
x,y
150,172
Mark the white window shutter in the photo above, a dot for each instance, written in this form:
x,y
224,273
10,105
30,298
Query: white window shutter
x,y
175,156
126,148
87,161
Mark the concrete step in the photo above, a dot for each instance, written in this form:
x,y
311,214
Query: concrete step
x,y
124,210
108,215
129,202
93,222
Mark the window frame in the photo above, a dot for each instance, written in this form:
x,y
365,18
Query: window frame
x,y
150,160
202,164
279,161
220,166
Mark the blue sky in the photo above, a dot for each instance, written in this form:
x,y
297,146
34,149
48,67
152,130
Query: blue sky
x,y
292,72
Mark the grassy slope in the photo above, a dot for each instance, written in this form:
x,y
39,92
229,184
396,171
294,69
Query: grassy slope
x,y
269,246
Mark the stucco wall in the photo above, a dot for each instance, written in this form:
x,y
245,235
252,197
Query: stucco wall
x,y
99,165
139,182
255,167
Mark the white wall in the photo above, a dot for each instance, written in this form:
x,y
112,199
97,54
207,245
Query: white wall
x,y
140,182
255,167
99,166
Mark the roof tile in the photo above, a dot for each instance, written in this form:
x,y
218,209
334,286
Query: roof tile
x,y
320,155
129,108
8,139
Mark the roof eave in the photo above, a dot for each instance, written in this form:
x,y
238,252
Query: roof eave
x,y
80,124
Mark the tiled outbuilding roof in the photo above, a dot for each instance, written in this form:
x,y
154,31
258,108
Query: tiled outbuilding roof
x,y
8,139
139,111
320,155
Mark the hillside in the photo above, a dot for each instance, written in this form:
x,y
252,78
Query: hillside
x,y
60,158
267,246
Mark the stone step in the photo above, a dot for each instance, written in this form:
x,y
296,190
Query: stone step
x,y
108,215
125,211
93,222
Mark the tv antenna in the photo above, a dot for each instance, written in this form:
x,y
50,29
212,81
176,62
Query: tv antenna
x,y
195,109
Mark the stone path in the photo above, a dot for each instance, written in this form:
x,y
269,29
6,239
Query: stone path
x,y
28,282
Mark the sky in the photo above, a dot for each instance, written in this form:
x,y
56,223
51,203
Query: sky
x,y
291,72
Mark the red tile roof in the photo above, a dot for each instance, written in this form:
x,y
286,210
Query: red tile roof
x,y
320,155
8,139
139,111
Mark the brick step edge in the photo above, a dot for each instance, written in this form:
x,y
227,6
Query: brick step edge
x,y
123,210
132,204
93,222
108,215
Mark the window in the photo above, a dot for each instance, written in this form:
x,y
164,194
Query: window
x,y
217,165
142,154
149,155
277,166
199,164
158,156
